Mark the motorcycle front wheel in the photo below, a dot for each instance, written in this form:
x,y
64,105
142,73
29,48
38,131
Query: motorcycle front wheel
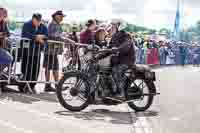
x,y
73,91
141,94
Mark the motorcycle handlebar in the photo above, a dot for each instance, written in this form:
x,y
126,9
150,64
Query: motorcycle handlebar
x,y
105,50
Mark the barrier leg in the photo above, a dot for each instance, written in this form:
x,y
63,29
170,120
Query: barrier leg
x,y
31,90
0,90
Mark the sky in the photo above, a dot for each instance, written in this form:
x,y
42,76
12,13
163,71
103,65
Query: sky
x,y
149,13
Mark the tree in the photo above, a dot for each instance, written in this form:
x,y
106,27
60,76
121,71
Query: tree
x,y
152,31
164,31
194,32
12,25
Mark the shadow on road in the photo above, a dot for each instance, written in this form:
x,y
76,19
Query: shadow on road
x,y
29,98
113,117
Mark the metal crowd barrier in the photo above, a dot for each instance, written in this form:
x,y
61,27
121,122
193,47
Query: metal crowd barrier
x,y
30,61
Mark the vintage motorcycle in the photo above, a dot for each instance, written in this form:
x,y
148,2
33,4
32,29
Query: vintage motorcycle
x,y
93,84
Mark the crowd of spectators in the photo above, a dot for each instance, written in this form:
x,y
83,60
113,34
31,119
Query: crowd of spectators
x,y
165,52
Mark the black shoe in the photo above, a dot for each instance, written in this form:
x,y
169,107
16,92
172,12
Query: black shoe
x,y
49,89
22,88
8,90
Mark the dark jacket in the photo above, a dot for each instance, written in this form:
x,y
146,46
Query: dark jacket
x,y
182,50
74,37
30,32
125,45
101,44
5,30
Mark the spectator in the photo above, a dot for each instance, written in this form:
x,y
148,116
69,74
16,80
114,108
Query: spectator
x,y
183,53
137,41
73,49
139,50
177,53
4,32
190,54
170,56
149,44
154,44
195,52
87,36
100,38
37,33
5,57
51,62
74,35
162,53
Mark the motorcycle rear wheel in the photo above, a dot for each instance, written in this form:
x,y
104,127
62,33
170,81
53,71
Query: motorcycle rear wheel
x,y
151,90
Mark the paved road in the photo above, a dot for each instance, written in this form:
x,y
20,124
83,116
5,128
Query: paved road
x,y
175,111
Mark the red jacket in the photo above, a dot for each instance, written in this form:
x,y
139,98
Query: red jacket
x,y
87,37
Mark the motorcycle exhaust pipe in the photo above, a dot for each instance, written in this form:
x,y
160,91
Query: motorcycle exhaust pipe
x,y
123,101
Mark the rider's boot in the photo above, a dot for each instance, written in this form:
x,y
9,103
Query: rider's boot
x,y
119,95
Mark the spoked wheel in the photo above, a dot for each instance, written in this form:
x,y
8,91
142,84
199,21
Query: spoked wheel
x,y
140,93
73,91
74,64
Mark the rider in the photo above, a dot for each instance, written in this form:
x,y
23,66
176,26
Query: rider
x,y
123,44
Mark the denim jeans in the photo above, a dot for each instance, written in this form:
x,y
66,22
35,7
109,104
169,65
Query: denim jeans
x,y
5,57
119,76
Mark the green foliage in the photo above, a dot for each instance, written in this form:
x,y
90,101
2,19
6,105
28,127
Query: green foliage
x,y
136,29
191,34
164,31
12,25
185,36
66,27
